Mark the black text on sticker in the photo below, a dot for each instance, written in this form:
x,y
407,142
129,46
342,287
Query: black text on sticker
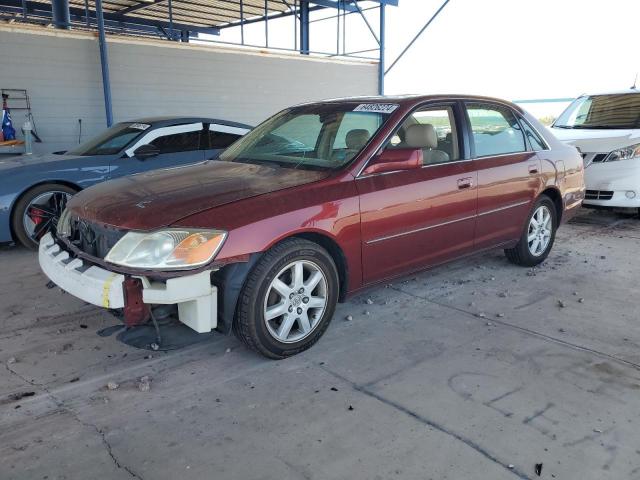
x,y
376,107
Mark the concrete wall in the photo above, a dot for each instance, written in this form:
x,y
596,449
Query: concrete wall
x,y
61,71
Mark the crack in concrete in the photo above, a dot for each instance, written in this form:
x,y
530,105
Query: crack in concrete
x,y
430,423
60,404
107,445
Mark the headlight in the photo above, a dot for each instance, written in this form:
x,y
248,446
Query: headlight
x,y
170,249
626,153
63,228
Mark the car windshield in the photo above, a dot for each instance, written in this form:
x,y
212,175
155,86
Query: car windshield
x,y
319,136
111,141
616,111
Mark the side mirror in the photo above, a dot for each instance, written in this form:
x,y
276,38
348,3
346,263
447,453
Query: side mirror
x,y
392,159
146,151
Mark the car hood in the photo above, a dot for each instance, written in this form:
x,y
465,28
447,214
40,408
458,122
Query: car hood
x,y
31,160
597,140
159,198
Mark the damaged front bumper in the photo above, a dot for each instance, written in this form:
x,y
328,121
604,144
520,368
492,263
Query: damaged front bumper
x,y
194,294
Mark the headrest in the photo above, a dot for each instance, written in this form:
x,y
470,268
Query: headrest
x,y
357,138
421,136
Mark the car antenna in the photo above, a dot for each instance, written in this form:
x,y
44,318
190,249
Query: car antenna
x,y
635,81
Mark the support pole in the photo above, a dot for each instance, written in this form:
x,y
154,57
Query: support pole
x,y
417,35
338,30
87,14
266,24
304,27
60,13
241,22
295,24
382,45
104,63
171,34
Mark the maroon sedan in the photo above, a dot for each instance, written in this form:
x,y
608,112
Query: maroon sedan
x,y
319,202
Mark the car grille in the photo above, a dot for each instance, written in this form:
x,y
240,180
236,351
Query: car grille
x,y
598,195
92,239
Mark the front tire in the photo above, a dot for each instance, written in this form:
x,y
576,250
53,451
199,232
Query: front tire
x,y
288,300
37,211
538,236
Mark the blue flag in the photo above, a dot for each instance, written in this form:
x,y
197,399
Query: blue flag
x,y
8,131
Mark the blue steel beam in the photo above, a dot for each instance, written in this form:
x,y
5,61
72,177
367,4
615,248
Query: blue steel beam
x,y
367,21
393,3
104,63
304,27
426,25
382,42
332,4
60,13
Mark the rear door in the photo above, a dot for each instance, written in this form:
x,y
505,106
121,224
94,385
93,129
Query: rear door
x,y
508,173
416,218
177,144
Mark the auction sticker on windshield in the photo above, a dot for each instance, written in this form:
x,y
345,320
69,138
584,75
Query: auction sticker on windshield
x,y
139,126
376,107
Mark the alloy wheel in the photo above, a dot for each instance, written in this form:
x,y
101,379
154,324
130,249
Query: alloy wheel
x,y
540,230
295,301
43,213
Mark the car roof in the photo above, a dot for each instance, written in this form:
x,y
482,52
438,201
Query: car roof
x,y
417,99
161,121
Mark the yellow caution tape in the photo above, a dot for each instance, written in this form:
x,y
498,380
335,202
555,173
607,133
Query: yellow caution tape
x,y
106,288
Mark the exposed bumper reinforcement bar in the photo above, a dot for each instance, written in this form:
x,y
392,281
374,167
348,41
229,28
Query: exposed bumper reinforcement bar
x,y
195,296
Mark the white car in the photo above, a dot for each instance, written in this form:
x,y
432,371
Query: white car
x,y
606,129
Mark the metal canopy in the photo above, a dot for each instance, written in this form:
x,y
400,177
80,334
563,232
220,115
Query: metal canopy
x,y
181,20
204,16
211,13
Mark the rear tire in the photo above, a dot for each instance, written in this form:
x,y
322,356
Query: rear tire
x,y
37,211
538,236
288,299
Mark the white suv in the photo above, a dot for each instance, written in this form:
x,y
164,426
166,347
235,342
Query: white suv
x,y
606,129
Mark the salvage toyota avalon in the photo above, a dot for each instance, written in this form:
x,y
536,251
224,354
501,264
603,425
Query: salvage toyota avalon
x,y
319,202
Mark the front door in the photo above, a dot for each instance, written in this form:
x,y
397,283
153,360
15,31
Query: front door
x,y
508,173
177,145
415,218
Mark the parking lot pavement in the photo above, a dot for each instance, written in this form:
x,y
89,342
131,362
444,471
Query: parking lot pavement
x,y
478,369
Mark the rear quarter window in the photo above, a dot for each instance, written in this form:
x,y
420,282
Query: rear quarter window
x,y
535,139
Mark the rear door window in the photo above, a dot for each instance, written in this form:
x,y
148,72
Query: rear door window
x,y
178,142
495,130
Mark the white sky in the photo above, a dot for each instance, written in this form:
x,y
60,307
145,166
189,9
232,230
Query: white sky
x,y
514,49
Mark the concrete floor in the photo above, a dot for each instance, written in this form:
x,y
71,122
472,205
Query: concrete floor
x,y
470,371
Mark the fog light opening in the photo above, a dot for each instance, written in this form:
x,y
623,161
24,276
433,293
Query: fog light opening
x,y
630,194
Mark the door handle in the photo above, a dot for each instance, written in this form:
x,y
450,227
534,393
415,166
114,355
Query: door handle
x,y
533,169
465,183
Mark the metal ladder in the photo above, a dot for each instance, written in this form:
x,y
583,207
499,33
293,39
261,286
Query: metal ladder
x,y
18,99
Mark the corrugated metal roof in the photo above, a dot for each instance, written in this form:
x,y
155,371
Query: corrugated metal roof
x,y
209,13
